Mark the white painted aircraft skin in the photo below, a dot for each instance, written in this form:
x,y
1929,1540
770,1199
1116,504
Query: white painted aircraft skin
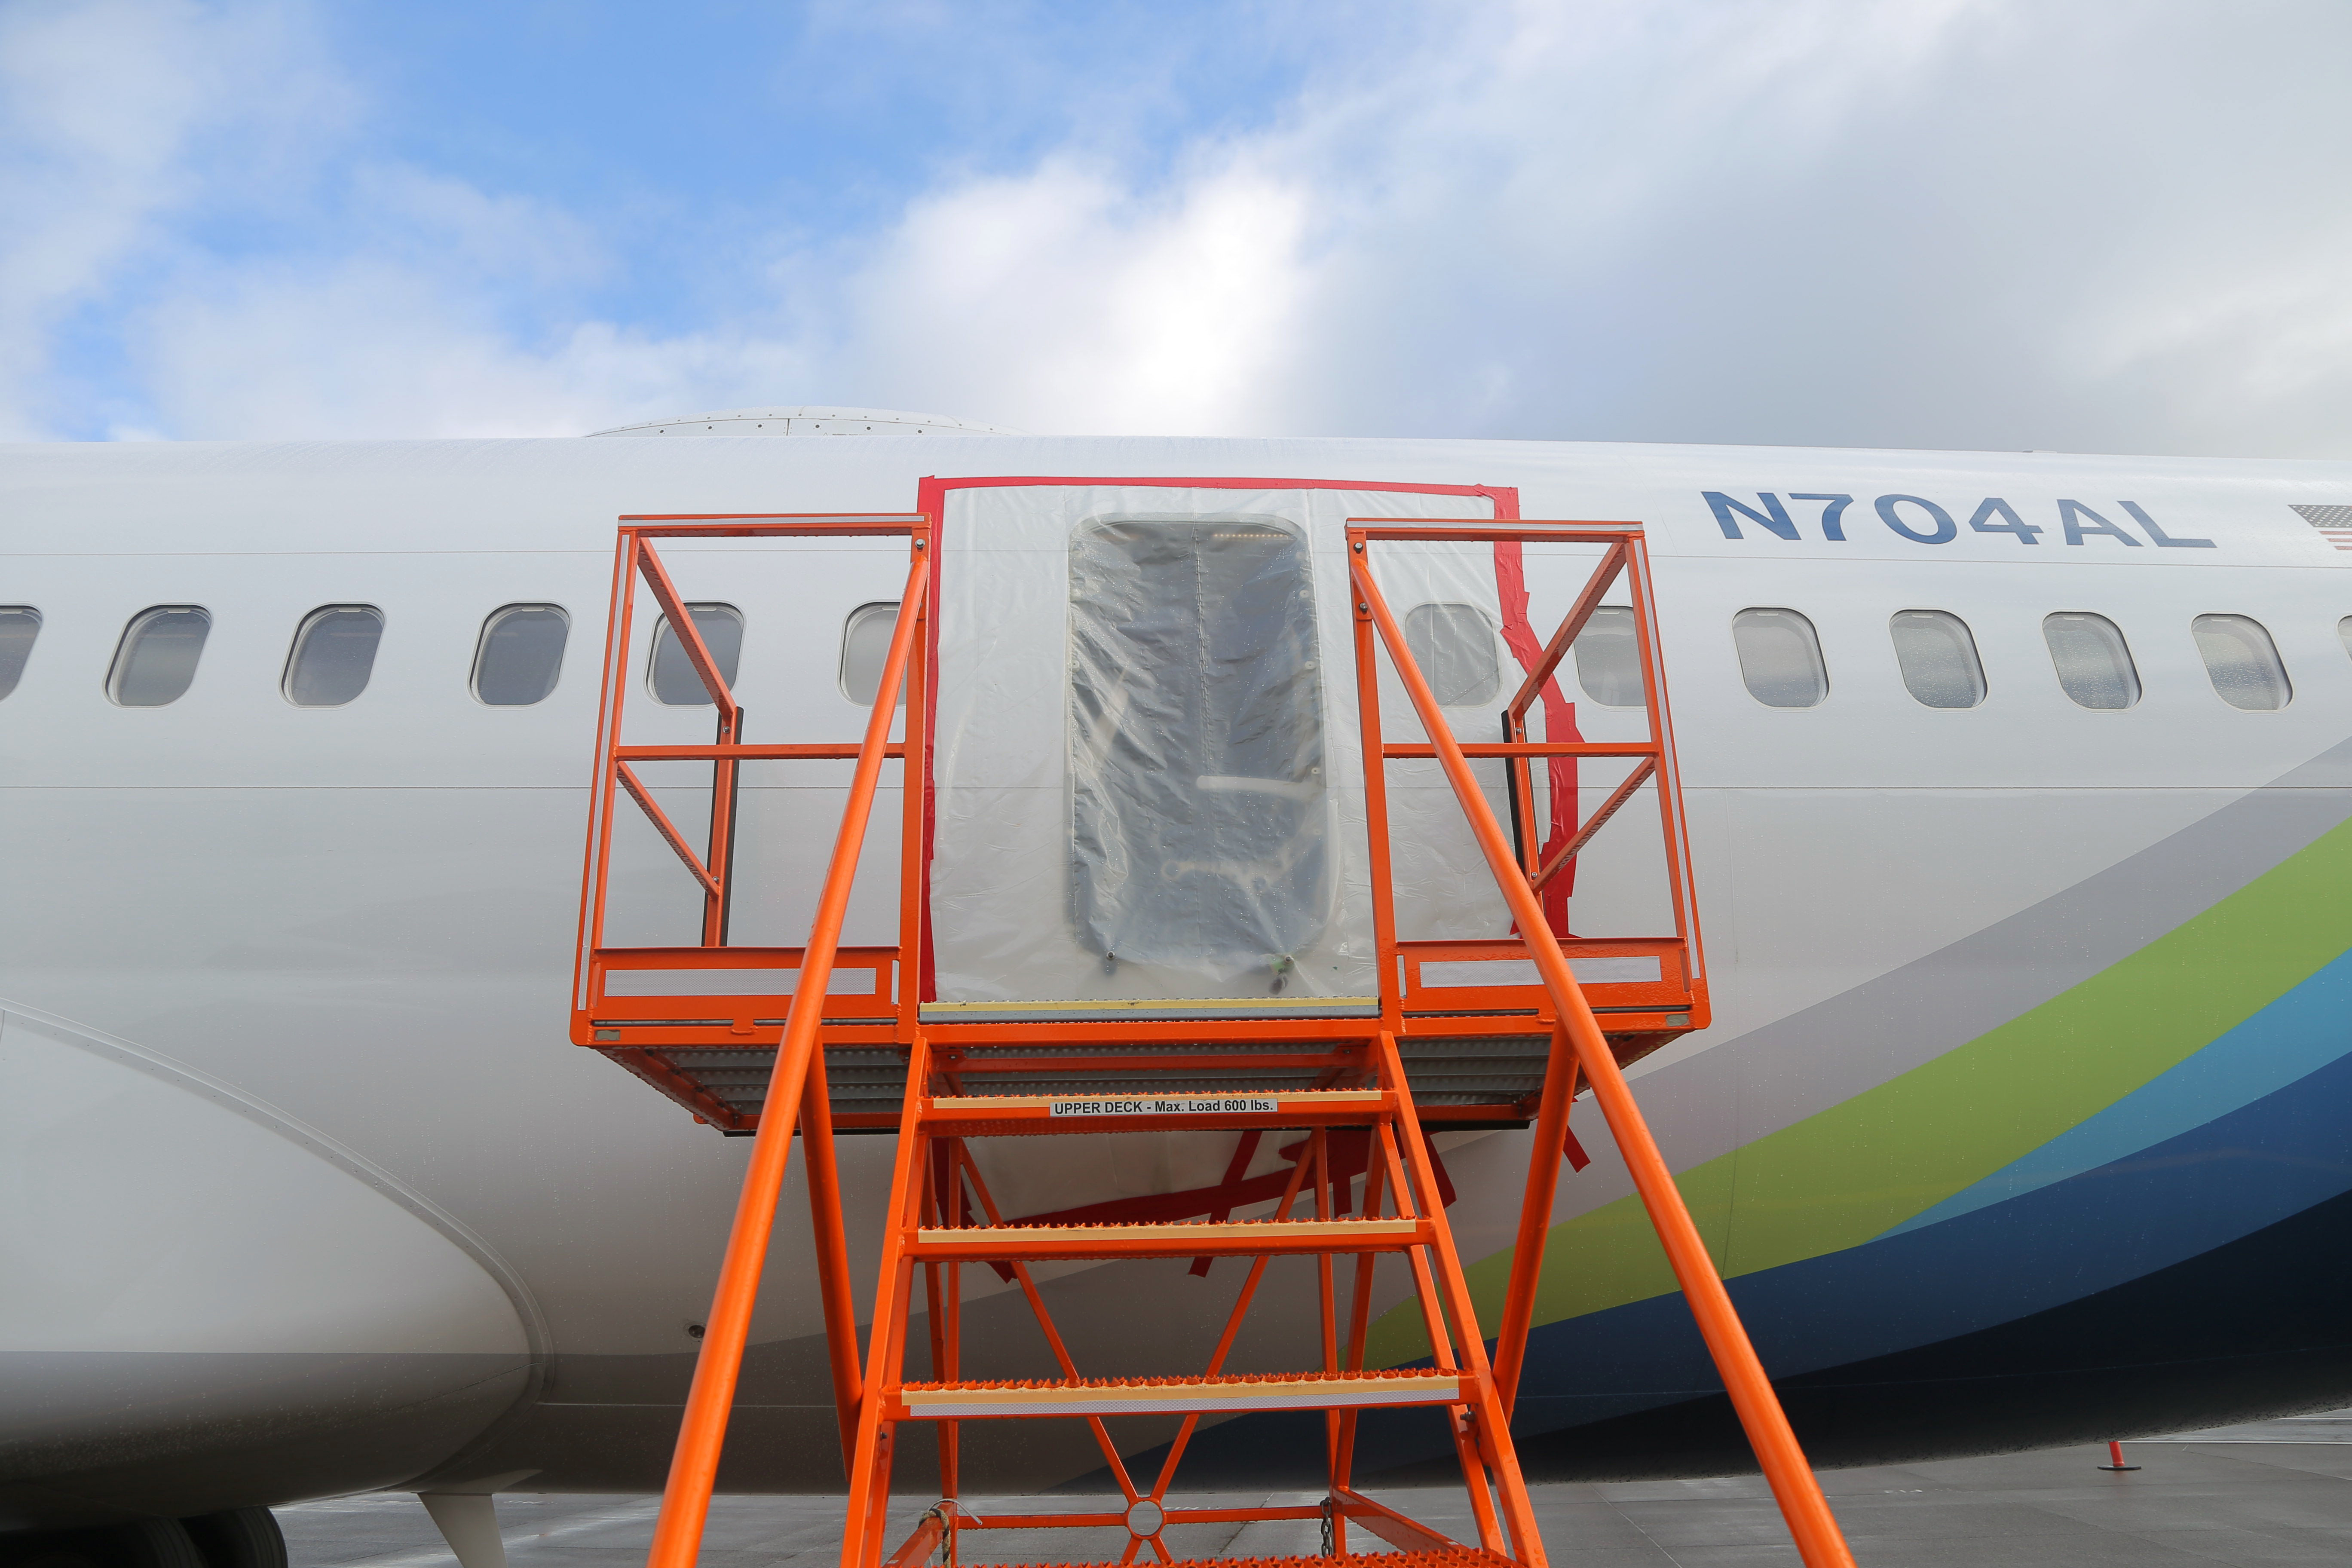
x,y
306,1191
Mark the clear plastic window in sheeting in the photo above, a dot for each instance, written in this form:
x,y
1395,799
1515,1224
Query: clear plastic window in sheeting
x,y
2243,662
20,625
1608,660
1780,658
2094,664
157,661
1454,647
1938,659
672,674
334,654
1199,833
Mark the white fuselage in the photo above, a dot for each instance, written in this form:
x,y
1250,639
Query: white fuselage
x,y
306,1190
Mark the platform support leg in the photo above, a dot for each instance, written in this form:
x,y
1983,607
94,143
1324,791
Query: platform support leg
x,y
1535,1219
832,1247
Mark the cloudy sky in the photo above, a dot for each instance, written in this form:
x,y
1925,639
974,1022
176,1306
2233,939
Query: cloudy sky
x,y
2084,225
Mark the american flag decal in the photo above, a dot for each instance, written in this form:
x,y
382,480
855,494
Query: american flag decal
x,y
2333,522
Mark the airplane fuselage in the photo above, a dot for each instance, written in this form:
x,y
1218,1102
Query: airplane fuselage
x,y
2022,1117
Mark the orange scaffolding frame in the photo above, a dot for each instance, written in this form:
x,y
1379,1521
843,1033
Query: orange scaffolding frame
x,y
1350,1088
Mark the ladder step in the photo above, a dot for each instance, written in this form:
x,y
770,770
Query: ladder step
x,y
1191,1238
970,1114
1184,1395
1467,1557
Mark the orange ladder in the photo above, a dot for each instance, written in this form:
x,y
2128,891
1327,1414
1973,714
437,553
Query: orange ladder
x,y
938,1192
830,1060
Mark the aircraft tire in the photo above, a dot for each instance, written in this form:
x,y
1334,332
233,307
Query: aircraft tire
x,y
150,1544
239,1538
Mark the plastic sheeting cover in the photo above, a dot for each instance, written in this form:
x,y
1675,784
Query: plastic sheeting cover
x,y
1132,711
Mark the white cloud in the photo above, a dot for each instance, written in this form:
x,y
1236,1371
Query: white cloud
x,y
1896,222
1062,302
2223,349
1937,223
405,328
117,118
367,348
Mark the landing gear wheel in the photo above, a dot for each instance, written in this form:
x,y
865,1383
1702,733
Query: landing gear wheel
x,y
150,1544
239,1538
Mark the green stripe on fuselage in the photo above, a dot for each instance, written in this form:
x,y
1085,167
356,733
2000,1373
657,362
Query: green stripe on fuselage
x,y
1846,1175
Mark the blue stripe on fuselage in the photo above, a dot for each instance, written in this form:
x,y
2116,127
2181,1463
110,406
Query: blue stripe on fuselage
x,y
2295,1035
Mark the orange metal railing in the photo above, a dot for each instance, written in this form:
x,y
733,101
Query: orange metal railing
x,y
600,1018
796,1086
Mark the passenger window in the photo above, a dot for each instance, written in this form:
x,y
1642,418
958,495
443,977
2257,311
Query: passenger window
x,y
1780,658
1608,661
864,649
157,658
2093,662
1938,657
2243,661
672,674
521,654
19,625
334,654
1455,646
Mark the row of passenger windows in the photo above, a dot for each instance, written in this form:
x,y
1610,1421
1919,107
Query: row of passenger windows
x,y
519,655
1780,658
517,659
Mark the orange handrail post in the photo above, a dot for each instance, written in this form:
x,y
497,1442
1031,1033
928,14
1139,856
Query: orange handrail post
x,y
703,1433
1815,1529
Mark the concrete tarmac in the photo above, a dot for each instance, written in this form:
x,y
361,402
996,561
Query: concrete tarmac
x,y
2270,1493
